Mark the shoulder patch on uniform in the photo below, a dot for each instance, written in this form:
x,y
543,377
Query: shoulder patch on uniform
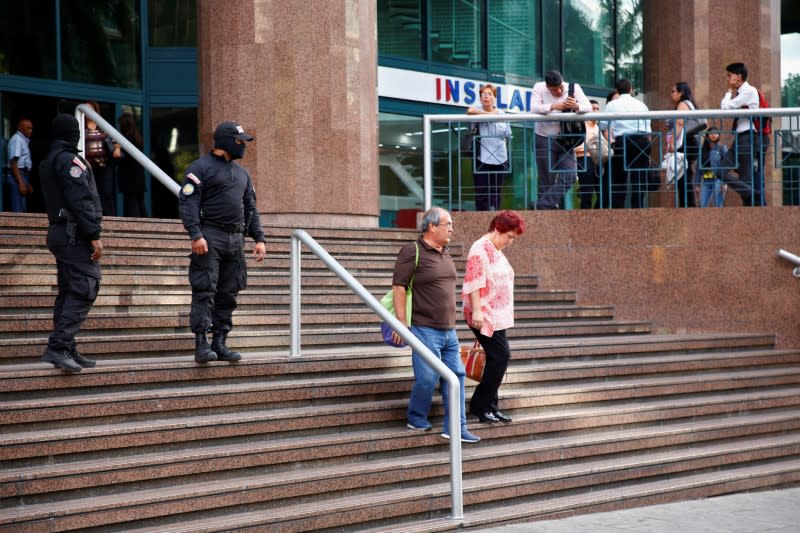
x,y
75,171
77,160
188,189
193,178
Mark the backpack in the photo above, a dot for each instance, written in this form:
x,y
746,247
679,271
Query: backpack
x,y
762,124
573,132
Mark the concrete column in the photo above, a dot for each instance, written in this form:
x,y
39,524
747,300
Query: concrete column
x,y
301,76
694,41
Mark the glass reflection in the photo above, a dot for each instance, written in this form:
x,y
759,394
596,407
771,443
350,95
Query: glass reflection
x,y
172,23
28,29
513,43
174,144
100,42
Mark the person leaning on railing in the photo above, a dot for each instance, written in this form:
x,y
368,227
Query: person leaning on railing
x,y
492,155
551,96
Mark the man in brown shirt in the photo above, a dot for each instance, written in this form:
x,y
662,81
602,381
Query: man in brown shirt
x,y
433,316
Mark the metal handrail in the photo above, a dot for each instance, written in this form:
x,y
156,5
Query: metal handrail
x,y
454,401
428,120
125,144
792,258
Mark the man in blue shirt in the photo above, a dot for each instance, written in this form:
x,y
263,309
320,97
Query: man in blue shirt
x,y
19,166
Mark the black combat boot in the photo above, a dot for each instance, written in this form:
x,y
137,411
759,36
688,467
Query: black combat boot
x,y
202,351
85,362
223,352
60,359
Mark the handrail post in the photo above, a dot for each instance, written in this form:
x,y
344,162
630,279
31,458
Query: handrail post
x,y
294,301
454,407
427,173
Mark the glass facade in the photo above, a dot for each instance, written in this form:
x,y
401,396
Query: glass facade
x,y
28,29
513,45
592,43
589,42
172,23
173,141
498,41
100,42
56,54
400,29
628,31
456,32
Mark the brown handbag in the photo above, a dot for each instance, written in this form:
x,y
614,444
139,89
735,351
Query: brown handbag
x,y
474,359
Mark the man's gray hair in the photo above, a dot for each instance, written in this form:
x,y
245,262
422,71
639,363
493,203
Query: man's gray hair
x,y
431,216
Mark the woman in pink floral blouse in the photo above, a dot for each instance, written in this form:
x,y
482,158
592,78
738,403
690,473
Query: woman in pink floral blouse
x,y
488,295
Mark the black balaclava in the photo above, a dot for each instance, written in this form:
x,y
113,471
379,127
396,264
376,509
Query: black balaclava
x,y
228,143
225,136
65,128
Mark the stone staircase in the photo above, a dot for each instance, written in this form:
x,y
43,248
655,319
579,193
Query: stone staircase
x,y
607,414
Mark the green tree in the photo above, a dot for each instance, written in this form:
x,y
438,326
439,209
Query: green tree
x,y
790,91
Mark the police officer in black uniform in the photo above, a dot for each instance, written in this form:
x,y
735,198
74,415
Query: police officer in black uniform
x,y
73,237
218,208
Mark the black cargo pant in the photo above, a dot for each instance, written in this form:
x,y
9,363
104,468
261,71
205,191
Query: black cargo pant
x,y
78,284
216,279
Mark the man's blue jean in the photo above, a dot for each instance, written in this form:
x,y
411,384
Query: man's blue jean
x,y
19,203
444,344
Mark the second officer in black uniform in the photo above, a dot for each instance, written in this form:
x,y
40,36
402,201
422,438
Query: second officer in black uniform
x,y
218,208
73,237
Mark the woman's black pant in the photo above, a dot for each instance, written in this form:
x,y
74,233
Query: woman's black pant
x,y
484,398
685,185
488,181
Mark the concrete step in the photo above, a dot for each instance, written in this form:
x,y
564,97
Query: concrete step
x,y
640,494
249,338
36,280
57,476
118,366
162,396
606,412
556,349
31,322
340,499
151,417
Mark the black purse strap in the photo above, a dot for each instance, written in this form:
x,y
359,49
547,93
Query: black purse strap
x,y
570,94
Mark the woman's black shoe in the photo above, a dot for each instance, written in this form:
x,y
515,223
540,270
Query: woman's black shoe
x,y
487,417
502,418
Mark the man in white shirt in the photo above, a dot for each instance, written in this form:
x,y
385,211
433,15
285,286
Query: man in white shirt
x,y
742,95
632,142
557,169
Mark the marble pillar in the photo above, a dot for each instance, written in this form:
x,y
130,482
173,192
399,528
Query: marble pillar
x,y
694,41
300,76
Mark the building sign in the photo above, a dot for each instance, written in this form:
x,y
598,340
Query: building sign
x,y
437,89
